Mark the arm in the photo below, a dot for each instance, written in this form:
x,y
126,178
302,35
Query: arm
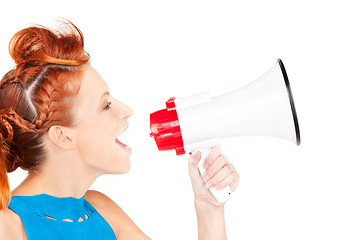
x,y
219,174
211,221
123,227
4,231
11,226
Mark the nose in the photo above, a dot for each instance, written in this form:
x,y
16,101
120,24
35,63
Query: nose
x,y
123,110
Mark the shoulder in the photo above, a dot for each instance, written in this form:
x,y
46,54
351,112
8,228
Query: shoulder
x,y
11,225
99,200
122,225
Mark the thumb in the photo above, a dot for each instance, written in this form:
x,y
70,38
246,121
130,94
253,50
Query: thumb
x,y
193,161
193,168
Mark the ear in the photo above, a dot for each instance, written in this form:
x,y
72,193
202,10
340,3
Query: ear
x,y
62,137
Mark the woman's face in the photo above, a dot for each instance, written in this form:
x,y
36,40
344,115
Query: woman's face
x,y
102,119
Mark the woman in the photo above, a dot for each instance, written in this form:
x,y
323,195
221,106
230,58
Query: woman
x,y
59,122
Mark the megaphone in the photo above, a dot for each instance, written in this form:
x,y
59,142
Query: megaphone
x,y
265,107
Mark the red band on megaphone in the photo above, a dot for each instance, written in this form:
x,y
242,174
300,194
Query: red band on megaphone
x,y
165,128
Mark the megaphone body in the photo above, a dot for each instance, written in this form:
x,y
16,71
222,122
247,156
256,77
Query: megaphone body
x,y
264,107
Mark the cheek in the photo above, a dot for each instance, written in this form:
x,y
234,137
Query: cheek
x,y
99,151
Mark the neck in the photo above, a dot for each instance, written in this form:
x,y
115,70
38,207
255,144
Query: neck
x,y
64,176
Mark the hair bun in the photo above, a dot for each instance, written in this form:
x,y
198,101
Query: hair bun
x,y
42,44
26,44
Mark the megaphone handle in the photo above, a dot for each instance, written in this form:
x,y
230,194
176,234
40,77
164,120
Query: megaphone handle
x,y
221,195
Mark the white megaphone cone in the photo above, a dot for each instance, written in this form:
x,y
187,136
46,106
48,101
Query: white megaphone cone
x,y
264,107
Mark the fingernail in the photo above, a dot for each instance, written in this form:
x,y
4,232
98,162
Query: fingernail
x,y
206,177
209,185
206,165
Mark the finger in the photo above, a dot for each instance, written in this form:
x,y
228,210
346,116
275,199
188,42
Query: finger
x,y
194,174
218,164
231,180
235,183
213,155
218,177
194,159
193,165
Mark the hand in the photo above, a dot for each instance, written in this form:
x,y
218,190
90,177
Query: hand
x,y
219,174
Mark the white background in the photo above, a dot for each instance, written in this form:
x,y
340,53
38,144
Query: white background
x,y
149,51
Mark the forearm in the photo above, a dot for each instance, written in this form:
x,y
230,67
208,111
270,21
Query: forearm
x,y
211,221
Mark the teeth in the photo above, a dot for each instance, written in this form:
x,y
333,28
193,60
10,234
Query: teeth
x,y
122,133
123,137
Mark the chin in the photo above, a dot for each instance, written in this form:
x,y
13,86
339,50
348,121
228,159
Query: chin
x,y
125,170
121,168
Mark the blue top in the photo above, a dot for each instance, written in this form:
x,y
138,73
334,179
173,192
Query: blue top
x,y
42,217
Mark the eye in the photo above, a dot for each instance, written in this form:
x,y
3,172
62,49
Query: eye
x,y
108,106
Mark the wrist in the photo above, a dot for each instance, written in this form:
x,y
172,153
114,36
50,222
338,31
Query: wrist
x,y
209,212
208,206
211,220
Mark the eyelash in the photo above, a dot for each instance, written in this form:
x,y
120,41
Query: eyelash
x,y
108,106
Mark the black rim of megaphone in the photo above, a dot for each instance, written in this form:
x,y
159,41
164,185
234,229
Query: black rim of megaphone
x,y
286,79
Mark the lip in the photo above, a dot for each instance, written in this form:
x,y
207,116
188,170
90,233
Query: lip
x,y
124,147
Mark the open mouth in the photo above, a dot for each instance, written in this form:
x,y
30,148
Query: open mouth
x,y
122,145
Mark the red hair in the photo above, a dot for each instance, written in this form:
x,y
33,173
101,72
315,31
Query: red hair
x,y
37,94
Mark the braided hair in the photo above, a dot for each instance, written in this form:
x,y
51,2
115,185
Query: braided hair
x,y
39,92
